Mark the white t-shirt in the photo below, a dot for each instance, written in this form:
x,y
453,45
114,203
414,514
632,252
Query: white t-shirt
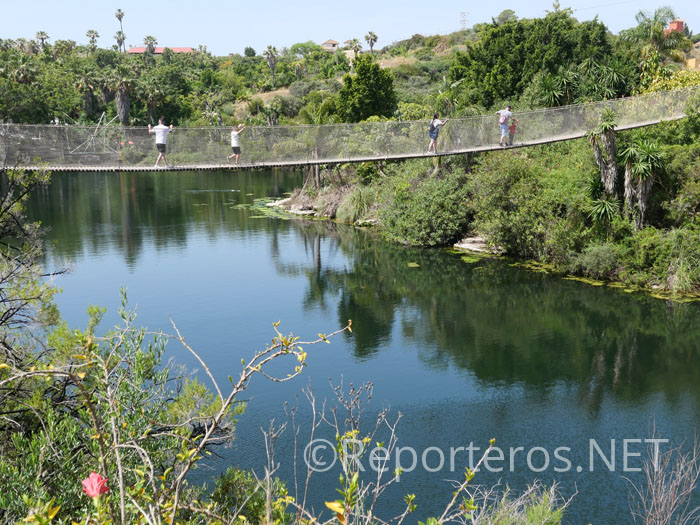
x,y
234,139
504,113
161,132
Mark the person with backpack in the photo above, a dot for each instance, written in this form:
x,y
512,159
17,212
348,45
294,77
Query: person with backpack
x,y
504,117
433,131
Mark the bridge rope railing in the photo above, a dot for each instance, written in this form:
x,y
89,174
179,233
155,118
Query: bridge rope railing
x,y
83,147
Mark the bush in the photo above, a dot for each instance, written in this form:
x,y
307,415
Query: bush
x,y
423,209
532,207
669,260
237,492
356,204
599,261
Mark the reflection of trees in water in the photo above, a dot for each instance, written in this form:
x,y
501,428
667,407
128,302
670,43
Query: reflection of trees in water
x,y
123,211
506,324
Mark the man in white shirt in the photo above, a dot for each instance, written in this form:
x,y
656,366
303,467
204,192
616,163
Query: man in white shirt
x,y
504,116
235,142
161,131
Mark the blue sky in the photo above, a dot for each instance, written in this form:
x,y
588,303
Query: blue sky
x,y
228,27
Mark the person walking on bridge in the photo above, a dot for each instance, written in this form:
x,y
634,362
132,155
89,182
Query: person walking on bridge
x,y
433,131
503,120
235,142
161,131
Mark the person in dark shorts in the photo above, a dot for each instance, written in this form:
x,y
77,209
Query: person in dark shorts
x,y
235,142
434,131
161,131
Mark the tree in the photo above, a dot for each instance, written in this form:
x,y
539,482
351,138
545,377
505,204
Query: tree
x,y
249,52
650,34
508,15
150,42
25,295
270,55
371,39
120,15
42,37
606,158
120,38
92,37
643,161
299,66
355,46
122,82
505,60
86,85
370,91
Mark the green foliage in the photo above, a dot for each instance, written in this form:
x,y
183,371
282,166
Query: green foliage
x,y
599,261
421,207
237,492
668,260
357,203
534,207
507,57
679,79
370,91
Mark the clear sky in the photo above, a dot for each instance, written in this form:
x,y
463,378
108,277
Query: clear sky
x,y
228,27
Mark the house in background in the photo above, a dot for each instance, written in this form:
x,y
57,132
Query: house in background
x,y
159,50
675,25
330,45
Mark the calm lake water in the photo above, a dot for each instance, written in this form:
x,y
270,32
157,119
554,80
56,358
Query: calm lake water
x,y
464,351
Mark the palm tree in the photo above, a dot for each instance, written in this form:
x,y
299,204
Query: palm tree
x,y
299,66
120,15
150,42
371,39
606,159
152,93
22,70
21,44
270,55
642,161
649,33
42,37
120,38
355,46
86,85
92,37
122,82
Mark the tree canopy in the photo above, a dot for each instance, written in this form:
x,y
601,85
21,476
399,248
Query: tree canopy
x,y
369,92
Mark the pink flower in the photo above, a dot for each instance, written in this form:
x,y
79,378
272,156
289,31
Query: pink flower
x,y
94,485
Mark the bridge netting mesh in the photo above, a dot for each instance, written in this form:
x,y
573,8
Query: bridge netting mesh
x,y
83,147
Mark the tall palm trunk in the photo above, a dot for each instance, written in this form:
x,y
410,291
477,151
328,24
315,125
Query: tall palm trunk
x,y
607,164
88,103
123,105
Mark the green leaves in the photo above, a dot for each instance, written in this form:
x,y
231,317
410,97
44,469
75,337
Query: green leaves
x,y
369,92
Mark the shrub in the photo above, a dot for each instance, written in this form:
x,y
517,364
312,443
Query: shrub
x,y
356,204
600,261
423,209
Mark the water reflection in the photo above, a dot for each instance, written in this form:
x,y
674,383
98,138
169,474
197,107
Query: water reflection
x,y
504,324
122,211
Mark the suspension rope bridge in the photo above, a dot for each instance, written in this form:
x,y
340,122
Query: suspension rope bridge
x,y
120,148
